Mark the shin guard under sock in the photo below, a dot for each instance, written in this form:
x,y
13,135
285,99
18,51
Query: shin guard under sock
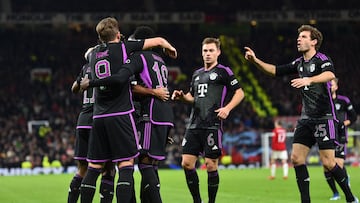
x,y
192,180
330,180
88,185
303,182
74,190
125,184
150,184
213,185
107,188
342,179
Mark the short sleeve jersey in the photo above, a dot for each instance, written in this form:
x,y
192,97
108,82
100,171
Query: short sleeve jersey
x,y
105,60
153,74
316,98
209,89
344,109
278,141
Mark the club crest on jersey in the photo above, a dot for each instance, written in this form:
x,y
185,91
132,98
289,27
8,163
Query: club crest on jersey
x,y
312,68
301,69
213,76
197,78
337,106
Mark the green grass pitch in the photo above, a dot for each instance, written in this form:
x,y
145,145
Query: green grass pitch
x,y
245,185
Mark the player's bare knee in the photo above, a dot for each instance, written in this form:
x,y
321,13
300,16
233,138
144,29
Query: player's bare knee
x,y
125,163
146,160
211,167
82,165
82,168
187,165
211,164
296,160
328,164
96,165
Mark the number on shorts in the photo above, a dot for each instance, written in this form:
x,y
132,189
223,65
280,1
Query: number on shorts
x,y
320,130
210,139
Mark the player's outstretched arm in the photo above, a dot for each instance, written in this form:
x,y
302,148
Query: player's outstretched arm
x,y
179,95
121,76
161,93
159,41
266,67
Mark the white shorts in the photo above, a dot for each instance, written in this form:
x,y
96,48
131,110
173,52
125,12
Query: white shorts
x,y
279,154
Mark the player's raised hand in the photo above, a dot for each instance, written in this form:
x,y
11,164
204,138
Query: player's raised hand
x,y
249,54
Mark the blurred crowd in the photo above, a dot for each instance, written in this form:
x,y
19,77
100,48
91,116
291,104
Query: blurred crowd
x,y
60,50
211,6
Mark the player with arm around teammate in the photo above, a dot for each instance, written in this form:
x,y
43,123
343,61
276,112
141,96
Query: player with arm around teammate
x,y
114,135
155,115
83,128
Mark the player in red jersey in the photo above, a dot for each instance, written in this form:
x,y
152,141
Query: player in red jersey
x,y
278,150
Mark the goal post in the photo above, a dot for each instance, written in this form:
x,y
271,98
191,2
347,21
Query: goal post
x,y
266,142
35,125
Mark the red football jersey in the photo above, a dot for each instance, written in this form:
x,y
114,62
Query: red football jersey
x,y
278,139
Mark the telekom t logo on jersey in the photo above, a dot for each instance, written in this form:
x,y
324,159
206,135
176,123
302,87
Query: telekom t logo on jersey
x,y
202,89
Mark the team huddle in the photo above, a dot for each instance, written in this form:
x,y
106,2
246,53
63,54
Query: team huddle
x,y
126,115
